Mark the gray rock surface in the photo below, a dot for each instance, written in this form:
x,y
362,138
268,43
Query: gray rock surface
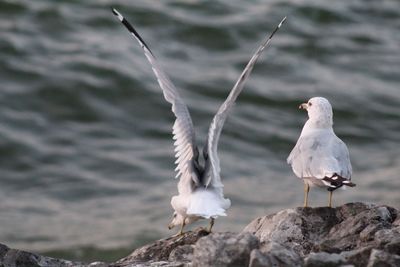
x,y
349,232
381,258
19,258
274,254
357,257
354,234
224,249
358,230
297,228
162,250
182,254
324,259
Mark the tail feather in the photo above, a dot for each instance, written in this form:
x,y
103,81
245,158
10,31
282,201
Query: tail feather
x,y
208,203
336,181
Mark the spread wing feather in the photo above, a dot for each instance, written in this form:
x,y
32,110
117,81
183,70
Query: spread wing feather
x,y
214,132
183,131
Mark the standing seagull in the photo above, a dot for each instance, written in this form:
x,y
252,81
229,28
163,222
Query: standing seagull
x,y
320,158
200,187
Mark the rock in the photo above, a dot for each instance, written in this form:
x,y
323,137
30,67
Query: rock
x,y
324,259
160,250
393,247
348,232
358,230
389,240
296,228
355,234
3,251
182,253
381,258
274,254
258,259
224,249
19,258
357,257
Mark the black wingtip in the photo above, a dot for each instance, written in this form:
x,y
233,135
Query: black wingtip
x,y
117,14
278,27
130,28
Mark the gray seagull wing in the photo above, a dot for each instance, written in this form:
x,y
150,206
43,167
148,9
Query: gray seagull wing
x,y
319,155
183,131
214,132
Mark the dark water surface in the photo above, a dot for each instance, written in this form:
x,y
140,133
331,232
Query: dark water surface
x,y
86,155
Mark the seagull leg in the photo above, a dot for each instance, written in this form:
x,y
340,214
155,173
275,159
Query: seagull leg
x,y
181,230
330,199
210,225
306,190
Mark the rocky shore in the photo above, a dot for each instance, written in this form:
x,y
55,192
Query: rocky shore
x,y
355,234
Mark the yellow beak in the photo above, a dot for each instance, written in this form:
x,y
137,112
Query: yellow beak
x,y
303,106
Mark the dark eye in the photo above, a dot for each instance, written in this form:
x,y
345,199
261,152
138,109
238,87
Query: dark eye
x,y
310,104
174,215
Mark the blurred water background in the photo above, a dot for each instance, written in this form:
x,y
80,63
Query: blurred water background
x,y
86,155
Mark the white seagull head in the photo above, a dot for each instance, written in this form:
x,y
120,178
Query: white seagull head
x,y
178,219
319,111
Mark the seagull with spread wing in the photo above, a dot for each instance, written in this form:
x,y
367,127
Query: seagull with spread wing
x,y
200,188
319,157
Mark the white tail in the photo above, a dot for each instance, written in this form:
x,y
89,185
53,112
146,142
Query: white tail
x,y
208,203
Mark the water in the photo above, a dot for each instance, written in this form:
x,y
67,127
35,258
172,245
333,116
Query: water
x,y
86,151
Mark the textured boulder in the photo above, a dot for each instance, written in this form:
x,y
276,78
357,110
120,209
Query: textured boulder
x,y
381,258
354,234
389,240
182,254
357,257
224,249
274,254
163,249
323,259
19,258
358,230
329,236
297,228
